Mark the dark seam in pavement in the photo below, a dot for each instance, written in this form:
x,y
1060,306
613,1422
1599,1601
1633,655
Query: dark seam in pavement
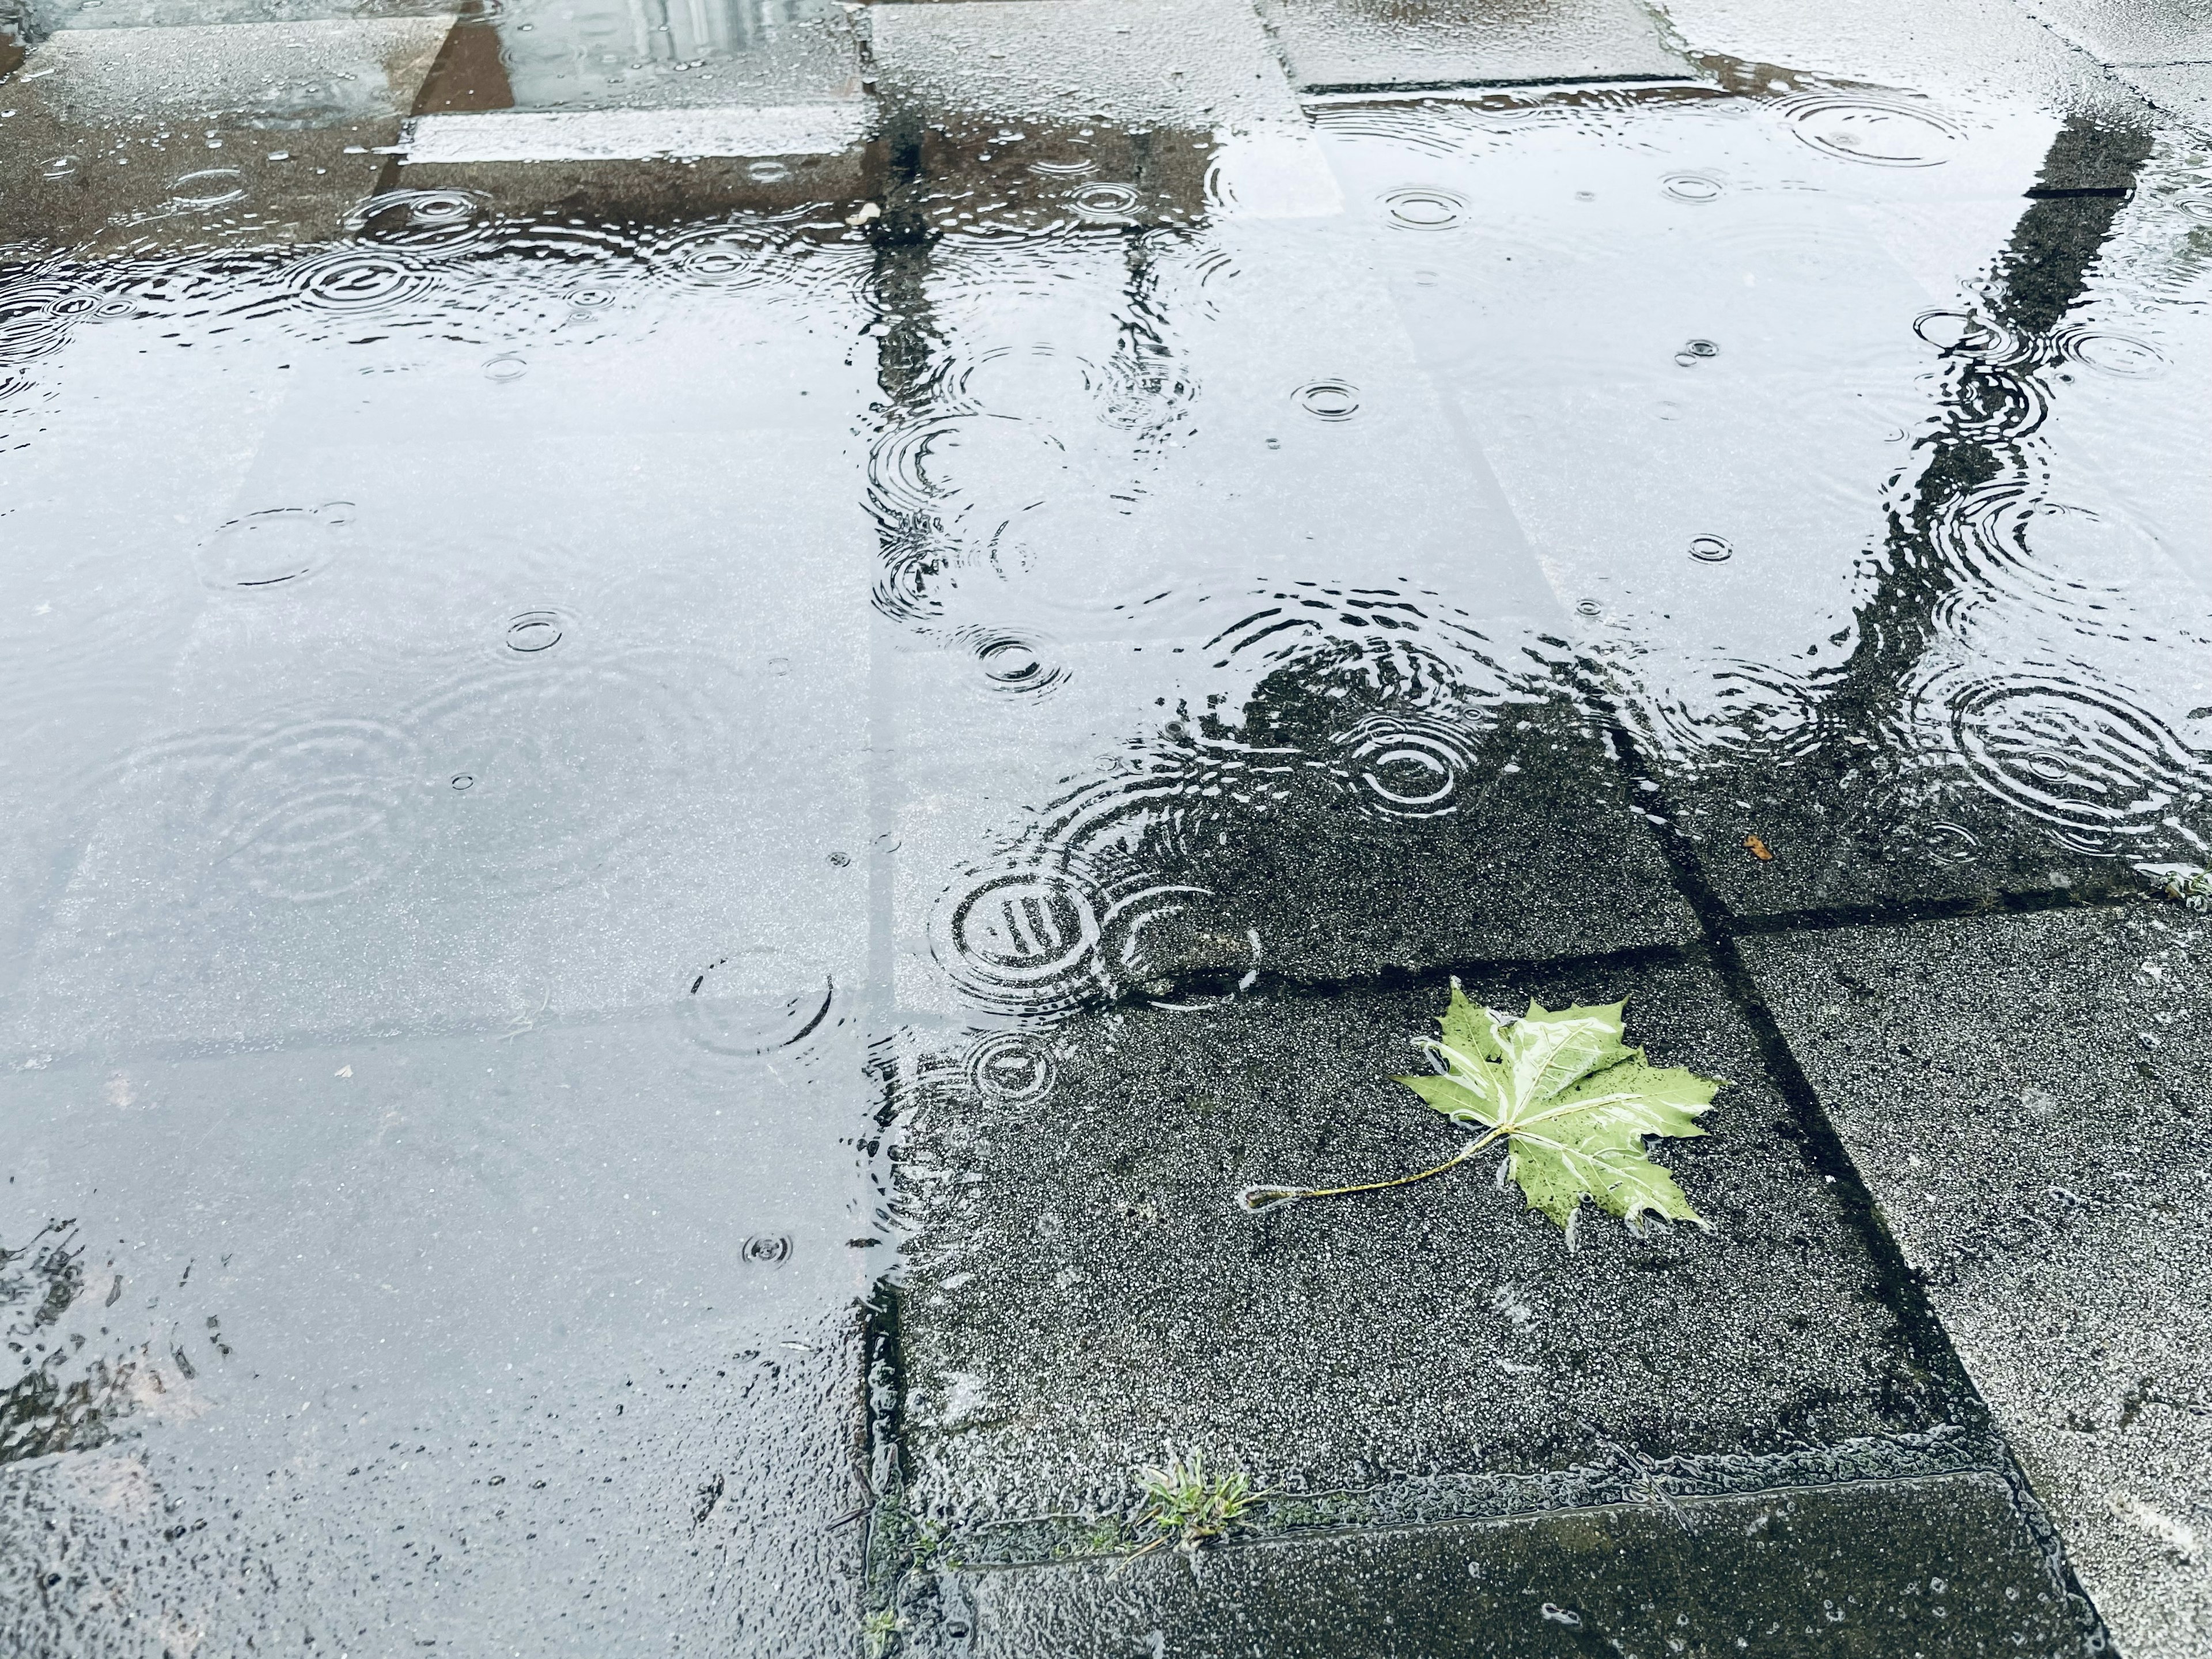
x,y
901,240
1824,1146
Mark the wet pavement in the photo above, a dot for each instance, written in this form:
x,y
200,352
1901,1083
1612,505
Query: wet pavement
x,y
718,713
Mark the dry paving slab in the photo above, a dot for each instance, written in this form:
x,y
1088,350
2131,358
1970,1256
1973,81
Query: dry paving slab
x,y
2027,1098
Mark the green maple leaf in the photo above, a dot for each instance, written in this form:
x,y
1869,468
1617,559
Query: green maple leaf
x,y
1573,1103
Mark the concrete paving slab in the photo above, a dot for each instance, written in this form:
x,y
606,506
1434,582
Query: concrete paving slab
x,y
260,853
1165,874
2183,89
1877,1568
96,607
277,74
1790,329
2159,31
194,137
1971,46
2025,1096
1343,43
46,17
1177,631
607,55
1131,63
2044,784
541,1339
1080,1288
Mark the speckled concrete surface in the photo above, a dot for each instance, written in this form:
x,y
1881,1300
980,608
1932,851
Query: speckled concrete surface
x,y
2027,1097
1082,1289
1870,1570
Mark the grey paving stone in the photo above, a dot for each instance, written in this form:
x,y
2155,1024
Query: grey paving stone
x,y
2185,89
1538,850
1175,639
282,125
1193,65
1546,854
2027,1098
1080,1289
1991,47
1880,720
1381,43
548,1333
607,55
327,73
2146,31
45,17
1930,1568
696,695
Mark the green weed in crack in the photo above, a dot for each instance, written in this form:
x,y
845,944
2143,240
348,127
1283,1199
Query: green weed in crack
x,y
1187,1507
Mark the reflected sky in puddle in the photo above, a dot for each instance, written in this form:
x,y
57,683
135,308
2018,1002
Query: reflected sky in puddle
x,y
545,698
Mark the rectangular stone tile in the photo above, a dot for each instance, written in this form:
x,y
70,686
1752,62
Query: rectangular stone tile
x,y
419,1341
606,55
1191,65
2154,31
2025,1096
1157,871
2184,89
1202,606
359,808
49,16
208,136
1873,1569
1806,545
1360,43
1979,47
97,598
1081,1288
340,71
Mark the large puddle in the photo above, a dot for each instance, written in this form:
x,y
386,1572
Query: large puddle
x,y
543,694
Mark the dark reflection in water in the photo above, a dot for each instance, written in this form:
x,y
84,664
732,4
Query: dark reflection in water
x,y
2072,752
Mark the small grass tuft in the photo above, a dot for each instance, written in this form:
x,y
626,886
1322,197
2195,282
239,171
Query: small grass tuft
x,y
1189,1505
2193,892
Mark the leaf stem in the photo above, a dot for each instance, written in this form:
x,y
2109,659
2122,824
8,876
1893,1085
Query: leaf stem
x,y
1255,1198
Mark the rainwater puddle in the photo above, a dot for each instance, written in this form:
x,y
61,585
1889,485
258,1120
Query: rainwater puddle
x,y
547,710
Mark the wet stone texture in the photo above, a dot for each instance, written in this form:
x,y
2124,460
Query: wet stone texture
x,y
1948,438
1928,1567
715,713
1339,44
404,1341
1081,1292
2026,1097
